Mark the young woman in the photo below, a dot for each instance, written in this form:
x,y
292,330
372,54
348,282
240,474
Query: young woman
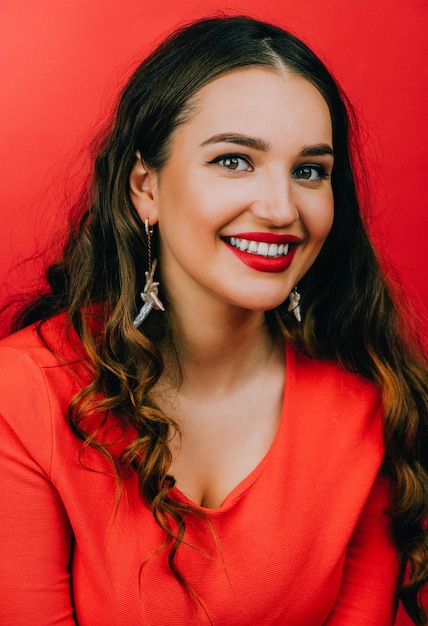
x,y
213,417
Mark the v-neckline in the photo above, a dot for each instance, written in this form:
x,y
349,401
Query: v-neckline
x,y
245,483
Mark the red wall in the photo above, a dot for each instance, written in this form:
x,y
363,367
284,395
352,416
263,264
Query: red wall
x,y
62,63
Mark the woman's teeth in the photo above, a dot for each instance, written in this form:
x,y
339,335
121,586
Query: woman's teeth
x,y
259,247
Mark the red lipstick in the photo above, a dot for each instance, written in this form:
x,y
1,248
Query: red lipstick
x,y
260,262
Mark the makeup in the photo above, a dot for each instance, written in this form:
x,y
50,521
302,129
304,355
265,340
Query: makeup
x,y
264,252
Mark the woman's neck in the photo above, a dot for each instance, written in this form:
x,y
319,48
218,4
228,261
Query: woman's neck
x,y
221,347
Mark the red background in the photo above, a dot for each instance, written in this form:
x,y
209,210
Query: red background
x,y
63,63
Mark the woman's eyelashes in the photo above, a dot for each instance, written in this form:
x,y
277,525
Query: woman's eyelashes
x,y
306,172
310,173
233,163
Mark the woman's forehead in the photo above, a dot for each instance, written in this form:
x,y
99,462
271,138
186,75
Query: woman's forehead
x,y
258,101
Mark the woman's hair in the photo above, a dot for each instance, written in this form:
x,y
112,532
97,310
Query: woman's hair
x,y
349,314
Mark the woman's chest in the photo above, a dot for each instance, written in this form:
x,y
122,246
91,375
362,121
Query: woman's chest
x,y
258,559
247,574
223,438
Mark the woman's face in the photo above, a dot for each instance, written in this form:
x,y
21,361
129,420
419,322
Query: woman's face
x,y
244,202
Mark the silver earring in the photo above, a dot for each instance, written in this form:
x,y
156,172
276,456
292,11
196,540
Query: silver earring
x,y
295,304
150,294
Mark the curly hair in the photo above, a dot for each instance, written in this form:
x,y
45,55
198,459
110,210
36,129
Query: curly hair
x,y
105,259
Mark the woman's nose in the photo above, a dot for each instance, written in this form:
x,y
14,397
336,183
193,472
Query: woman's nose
x,y
275,202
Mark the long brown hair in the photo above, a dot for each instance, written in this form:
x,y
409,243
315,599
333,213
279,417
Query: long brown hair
x,y
349,312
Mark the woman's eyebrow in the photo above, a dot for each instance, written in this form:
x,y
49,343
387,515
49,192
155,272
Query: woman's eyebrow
x,y
257,143
241,140
319,149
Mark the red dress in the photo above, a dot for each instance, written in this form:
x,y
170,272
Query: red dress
x,y
303,539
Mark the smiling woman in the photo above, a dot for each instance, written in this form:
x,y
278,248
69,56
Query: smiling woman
x,y
248,443
276,189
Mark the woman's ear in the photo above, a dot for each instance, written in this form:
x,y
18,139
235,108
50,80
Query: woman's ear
x,y
142,185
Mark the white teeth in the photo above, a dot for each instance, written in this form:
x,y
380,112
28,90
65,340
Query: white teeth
x,y
262,248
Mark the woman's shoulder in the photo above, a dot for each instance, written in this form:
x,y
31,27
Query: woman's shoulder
x,y
41,369
323,382
327,403
48,356
47,344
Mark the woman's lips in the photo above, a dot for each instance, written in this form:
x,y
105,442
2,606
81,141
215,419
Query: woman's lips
x,y
265,252
267,237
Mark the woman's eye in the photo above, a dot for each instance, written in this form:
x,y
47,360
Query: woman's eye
x,y
310,172
233,163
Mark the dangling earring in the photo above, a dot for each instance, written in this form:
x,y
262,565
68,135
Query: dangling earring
x,y
295,304
150,294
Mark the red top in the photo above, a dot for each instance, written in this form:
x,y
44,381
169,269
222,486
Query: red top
x,y
304,538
